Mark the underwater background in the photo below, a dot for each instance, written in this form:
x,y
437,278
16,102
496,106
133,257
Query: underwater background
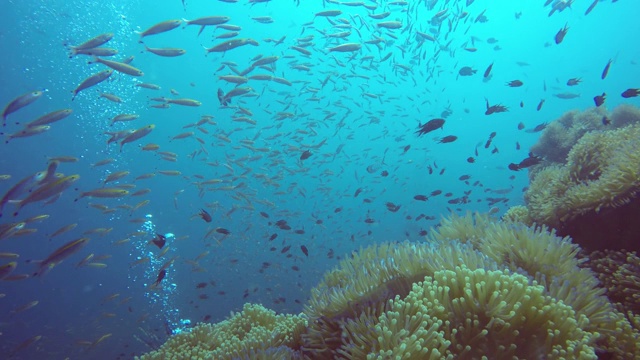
x,y
356,114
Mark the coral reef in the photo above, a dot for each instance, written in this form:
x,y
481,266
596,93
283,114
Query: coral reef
x,y
476,289
254,333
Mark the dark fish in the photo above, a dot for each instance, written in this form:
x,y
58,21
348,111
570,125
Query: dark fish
x,y
515,83
561,34
599,100
436,192
159,278
491,109
272,237
305,155
488,143
421,197
527,162
264,214
201,285
392,207
285,249
467,71
496,109
520,126
337,210
223,231
606,120
538,128
488,71
384,173
464,177
358,191
521,104
530,161
159,241
299,231
304,249
540,105
369,220
482,18
605,72
471,160
448,139
574,81
429,126
630,93
517,145
205,215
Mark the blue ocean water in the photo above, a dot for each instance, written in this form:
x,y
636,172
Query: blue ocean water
x,y
356,114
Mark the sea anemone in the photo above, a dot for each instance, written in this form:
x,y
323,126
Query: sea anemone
x,y
473,314
552,262
518,214
559,136
624,115
619,273
255,332
592,195
361,287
